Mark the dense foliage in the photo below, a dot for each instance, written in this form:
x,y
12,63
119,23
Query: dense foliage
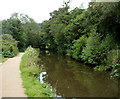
x,y
9,46
91,35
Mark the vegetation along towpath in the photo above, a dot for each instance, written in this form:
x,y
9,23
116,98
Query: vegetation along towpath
x,y
11,80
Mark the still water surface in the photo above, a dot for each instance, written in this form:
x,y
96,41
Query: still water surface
x,y
70,78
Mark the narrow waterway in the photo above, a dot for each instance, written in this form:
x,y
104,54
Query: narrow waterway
x,y
70,78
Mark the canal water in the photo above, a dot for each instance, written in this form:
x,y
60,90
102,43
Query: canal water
x,y
70,78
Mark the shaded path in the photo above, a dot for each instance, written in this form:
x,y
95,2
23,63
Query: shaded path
x,y
11,79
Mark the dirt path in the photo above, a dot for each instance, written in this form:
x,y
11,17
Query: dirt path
x,y
10,80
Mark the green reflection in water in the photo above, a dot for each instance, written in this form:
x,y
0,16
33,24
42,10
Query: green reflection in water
x,y
74,79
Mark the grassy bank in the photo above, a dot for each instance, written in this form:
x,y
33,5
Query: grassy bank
x,y
3,60
30,71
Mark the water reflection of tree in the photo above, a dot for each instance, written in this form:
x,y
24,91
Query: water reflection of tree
x,y
71,78
97,84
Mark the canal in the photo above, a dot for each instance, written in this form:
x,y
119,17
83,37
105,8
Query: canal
x,y
70,78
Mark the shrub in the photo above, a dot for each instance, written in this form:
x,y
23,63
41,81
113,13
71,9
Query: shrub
x,y
31,60
9,46
78,47
90,53
113,60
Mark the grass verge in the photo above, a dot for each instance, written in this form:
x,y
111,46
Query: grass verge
x,y
30,71
3,60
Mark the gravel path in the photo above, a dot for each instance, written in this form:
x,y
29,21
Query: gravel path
x,y
10,78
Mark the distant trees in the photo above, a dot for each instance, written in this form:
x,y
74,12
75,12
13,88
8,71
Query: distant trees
x,y
23,29
13,26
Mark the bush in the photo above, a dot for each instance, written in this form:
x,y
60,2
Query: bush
x,y
91,53
113,60
31,61
9,46
78,47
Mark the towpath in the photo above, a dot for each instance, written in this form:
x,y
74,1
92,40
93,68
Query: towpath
x,y
10,78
